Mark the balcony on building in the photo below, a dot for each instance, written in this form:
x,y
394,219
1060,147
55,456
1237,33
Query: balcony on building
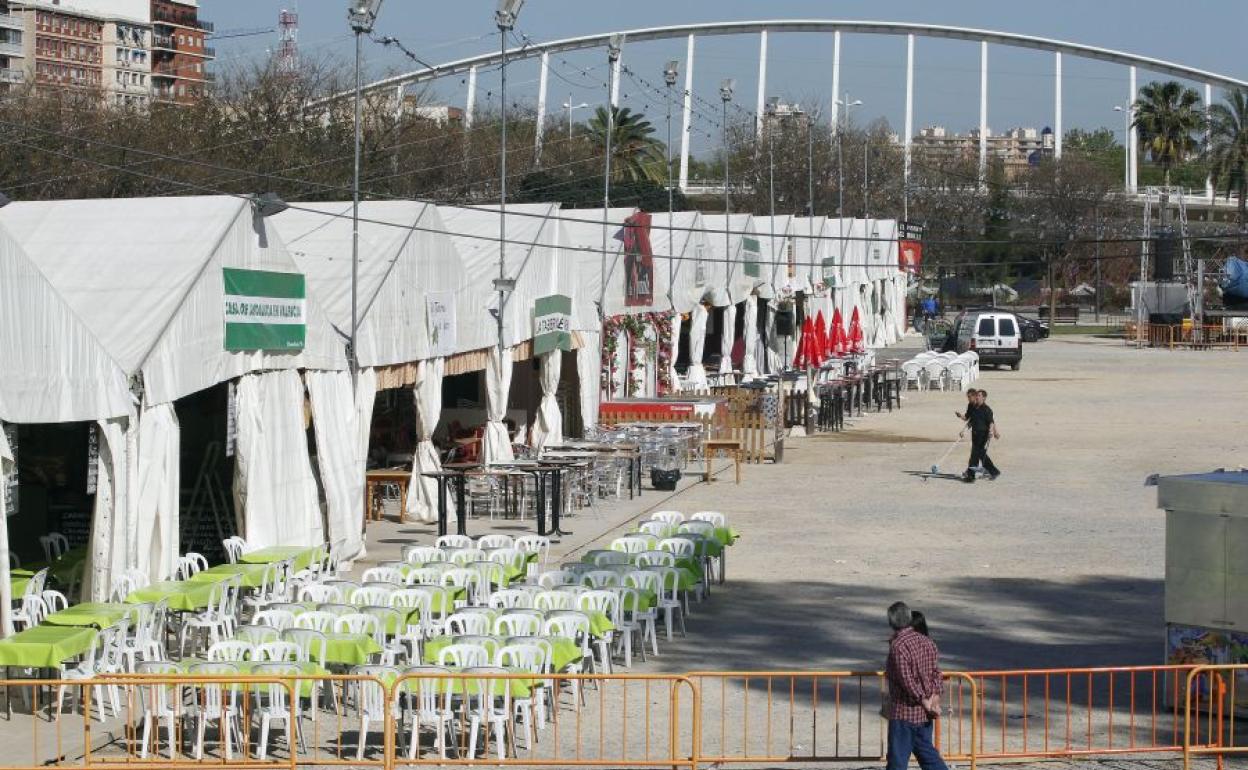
x,y
9,20
12,76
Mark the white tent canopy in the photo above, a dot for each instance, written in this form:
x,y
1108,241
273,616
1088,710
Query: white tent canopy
x,y
144,275
683,239
534,260
584,229
726,237
776,236
405,256
55,369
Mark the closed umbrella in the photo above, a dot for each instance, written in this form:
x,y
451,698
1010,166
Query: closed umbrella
x,y
821,335
799,358
838,332
855,333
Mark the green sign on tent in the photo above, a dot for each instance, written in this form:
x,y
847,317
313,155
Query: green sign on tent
x,y
750,252
264,310
552,324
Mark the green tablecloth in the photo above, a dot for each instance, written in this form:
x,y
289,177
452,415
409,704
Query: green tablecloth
x,y
562,650
393,625
19,579
726,535
183,595
520,687
246,668
301,556
252,574
45,646
96,614
350,649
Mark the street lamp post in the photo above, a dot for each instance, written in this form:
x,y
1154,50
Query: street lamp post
x,y
569,106
362,15
772,111
505,18
613,55
840,151
725,94
670,73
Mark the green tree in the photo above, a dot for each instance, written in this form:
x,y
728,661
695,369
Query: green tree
x,y
635,154
1227,151
1167,115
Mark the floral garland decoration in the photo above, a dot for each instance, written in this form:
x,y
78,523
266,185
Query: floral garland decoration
x,y
635,327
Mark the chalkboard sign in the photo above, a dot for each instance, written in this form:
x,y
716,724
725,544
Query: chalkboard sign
x,y
73,523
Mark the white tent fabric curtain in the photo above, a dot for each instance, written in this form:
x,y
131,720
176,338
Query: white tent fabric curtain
x,y
548,425
106,556
589,376
695,376
749,359
727,339
496,445
337,419
275,492
156,503
775,343
422,493
673,347
6,589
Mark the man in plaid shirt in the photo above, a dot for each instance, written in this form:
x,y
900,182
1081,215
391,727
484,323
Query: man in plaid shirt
x,y
914,686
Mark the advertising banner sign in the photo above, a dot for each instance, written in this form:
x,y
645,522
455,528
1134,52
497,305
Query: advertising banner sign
x,y
264,310
638,261
552,324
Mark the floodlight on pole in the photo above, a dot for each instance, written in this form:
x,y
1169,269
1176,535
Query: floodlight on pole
x,y
568,106
840,151
361,15
505,19
670,73
1126,146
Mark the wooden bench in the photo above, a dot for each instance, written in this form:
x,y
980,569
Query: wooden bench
x,y
731,446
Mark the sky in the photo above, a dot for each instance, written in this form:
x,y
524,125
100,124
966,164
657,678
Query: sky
x,y
1207,34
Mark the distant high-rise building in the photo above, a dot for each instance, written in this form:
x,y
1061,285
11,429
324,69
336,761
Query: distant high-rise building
x,y
1016,148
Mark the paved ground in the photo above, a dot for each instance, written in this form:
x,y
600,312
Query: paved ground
x,y
1058,562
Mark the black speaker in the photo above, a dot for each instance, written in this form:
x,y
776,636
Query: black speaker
x,y
1165,319
784,323
1167,247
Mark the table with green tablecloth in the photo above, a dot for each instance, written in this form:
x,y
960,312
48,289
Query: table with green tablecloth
x,y
510,573
252,574
726,535
92,614
350,649
46,646
521,687
394,625
301,556
562,650
183,595
19,580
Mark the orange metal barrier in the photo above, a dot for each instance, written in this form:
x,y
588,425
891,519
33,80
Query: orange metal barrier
x,y
803,716
1215,698
1089,711
594,720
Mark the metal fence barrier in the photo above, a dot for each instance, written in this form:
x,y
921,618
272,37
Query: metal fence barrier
x,y
491,717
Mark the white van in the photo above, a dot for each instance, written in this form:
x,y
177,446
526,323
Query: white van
x,y
994,336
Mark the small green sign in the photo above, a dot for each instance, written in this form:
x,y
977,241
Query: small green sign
x,y
750,253
829,272
264,310
552,324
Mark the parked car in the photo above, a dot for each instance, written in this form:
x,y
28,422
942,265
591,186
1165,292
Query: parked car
x,y
1033,330
993,334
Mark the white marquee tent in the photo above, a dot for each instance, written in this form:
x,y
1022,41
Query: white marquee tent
x,y
144,277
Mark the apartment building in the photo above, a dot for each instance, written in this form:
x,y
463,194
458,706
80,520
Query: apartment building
x,y
180,56
12,52
130,51
1017,148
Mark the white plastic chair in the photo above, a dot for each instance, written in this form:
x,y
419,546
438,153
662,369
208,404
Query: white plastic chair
x,y
518,624
216,702
668,517
554,600
160,703
539,544
230,651
508,598
454,541
608,604
319,592
274,704
495,541
383,575
485,707
378,596
316,620
277,651
215,620
429,702
422,554
54,546
279,619
256,634
234,547
470,623
463,655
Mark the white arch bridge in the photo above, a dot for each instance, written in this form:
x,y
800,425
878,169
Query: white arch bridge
x,y
764,29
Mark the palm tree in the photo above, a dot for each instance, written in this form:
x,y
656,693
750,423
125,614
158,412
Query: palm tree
x,y
1227,150
1167,115
635,154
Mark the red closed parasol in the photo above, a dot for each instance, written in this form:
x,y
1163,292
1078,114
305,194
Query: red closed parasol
x,y
855,333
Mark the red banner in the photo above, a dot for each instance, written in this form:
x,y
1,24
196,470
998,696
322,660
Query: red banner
x,y
910,255
638,261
